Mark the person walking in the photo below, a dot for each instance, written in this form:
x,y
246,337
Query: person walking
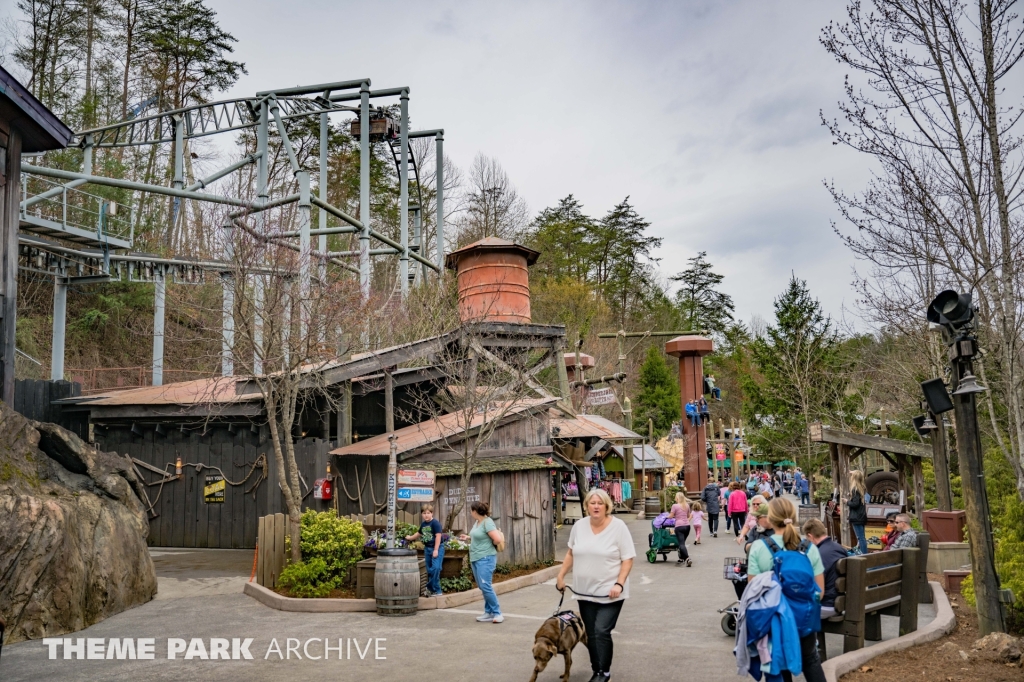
x,y
432,535
805,490
726,491
680,513
711,496
858,511
696,520
782,514
484,538
600,556
737,507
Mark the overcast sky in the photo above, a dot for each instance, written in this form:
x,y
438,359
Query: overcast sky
x,y
706,113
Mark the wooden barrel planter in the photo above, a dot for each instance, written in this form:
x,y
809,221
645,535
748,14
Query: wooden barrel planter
x,y
396,582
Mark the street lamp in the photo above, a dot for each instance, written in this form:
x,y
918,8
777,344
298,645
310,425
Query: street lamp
x,y
953,312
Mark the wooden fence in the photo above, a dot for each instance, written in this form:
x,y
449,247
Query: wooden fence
x,y
33,398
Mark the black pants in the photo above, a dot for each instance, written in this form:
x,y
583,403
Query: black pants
x,y
712,523
738,519
599,620
681,534
811,660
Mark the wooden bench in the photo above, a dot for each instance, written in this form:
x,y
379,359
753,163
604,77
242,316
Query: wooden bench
x,y
871,586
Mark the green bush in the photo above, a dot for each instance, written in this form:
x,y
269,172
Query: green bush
x,y
336,541
461,584
306,579
1008,531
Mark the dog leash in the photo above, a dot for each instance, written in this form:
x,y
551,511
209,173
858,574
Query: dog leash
x,y
578,594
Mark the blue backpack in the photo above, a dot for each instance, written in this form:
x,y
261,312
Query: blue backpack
x,y
794,573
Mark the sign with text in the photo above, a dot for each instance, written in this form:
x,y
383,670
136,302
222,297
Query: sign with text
x,y
213,491
415,478
738,454
720,451
416,494
601,396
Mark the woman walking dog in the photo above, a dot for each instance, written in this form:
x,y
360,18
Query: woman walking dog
x,y
600,556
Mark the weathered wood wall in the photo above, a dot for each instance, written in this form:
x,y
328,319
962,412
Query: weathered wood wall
x,y
184,518
521,506
33,398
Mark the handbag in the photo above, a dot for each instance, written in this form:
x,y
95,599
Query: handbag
x,y
500,545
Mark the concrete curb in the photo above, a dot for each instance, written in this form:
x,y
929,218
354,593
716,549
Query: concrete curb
x,y
942,624
268,597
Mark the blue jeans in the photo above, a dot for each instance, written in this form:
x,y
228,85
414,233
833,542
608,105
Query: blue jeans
x,y
483,571
805,497
433,568
862,541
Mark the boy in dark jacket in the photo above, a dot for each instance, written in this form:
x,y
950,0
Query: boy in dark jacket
x,y
831,552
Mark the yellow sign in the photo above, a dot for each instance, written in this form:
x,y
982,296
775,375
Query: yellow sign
x,y
213,491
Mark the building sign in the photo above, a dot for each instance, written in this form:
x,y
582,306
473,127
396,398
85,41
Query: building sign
x,y
471,495
720,451
416,479
738,454
601,396
415,494
213,491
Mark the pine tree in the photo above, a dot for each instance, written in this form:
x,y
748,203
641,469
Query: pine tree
x,y
658,397
702,306
799,377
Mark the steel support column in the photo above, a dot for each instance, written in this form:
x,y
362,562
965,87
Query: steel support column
x,y
364,191
403,192
439,141
179,168
227,357
325,124
261,221
159,299
305,255
60,310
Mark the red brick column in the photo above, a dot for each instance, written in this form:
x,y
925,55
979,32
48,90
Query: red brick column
x,y
690,350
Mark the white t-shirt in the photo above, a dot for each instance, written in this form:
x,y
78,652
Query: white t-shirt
x,y
596,559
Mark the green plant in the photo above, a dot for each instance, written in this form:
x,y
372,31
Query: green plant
x,y
335,540
460,584
1009,536
306,579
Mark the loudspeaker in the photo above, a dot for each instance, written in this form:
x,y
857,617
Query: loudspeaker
x,y
937,396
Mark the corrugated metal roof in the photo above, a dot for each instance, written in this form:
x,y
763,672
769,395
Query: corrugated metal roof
x,y
491,243
590,426
434,430
197,392
41,129
653,459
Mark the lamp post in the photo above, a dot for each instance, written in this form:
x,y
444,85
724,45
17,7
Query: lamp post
x,y
954,313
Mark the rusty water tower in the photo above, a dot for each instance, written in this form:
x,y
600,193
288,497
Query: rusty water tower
x,y
493,280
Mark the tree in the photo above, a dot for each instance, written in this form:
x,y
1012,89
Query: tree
x,y
562,235
799,378
658,397
622,254
944,209
493,207
702,306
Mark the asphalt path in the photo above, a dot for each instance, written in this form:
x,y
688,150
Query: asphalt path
x,y
669,629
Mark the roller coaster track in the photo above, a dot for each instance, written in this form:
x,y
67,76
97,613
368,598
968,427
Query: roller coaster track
x,y
200,120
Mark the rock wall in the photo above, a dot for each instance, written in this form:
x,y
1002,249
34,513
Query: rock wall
x,y
72,532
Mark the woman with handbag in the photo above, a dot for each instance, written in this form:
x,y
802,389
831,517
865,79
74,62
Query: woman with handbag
x,y
485,541
600,556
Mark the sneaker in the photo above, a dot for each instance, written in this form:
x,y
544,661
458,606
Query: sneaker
x,y
689,563
498,619
486,618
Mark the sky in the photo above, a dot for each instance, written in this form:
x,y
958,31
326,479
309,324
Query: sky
x,y
705,113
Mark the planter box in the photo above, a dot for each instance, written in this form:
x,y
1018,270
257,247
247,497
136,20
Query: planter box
x,y
953,579
945,526
946,556
453,562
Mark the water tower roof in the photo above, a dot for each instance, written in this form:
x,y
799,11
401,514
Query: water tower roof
x,y
491,244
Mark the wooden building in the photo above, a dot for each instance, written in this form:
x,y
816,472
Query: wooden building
x,y
513,474
26,126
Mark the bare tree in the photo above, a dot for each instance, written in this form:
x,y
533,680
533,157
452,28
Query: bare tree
x,y
945,207
493,207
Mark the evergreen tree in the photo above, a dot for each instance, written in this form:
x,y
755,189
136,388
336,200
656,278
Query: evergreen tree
x,y
658,396
798,377
623,254
562,235
701,304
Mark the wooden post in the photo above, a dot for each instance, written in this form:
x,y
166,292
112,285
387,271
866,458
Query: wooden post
x,y
844,495
345,415
563,375
918,476
558,498
901,475
856,588
833,454
732,449
909,591
940,460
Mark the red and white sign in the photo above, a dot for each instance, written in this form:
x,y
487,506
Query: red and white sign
x,y
416,478
720,451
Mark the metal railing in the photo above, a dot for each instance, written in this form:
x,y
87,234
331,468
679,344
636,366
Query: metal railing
x,y
75,208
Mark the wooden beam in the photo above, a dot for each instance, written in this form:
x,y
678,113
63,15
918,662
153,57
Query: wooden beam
x,y
918,475
527,379
448,455
823,434
844,493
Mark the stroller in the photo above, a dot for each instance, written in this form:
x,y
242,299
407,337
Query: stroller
x,y
662,538
734,570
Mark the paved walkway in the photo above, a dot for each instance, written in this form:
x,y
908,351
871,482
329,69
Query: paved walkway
x,y
669,629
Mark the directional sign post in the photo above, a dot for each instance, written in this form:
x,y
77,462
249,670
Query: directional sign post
x,y
392,489
416,494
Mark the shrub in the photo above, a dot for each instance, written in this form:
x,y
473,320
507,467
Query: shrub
x,y
1009,539
461,584
336,541
306,579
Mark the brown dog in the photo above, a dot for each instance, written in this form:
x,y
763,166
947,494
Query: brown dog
x,y
558,635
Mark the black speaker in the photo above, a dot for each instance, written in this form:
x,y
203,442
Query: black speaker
x,y
918,420
937,396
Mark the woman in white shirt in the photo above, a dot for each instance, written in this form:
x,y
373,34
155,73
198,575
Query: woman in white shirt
x,y
600,556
